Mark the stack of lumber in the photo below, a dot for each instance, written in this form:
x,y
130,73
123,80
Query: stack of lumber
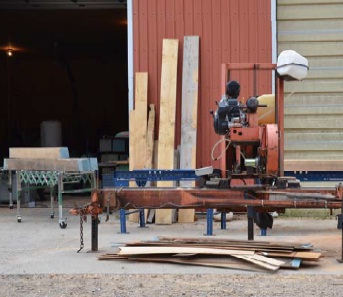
x,y
221,253
145,152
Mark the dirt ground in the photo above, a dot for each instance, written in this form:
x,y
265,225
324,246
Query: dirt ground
x,y
38,258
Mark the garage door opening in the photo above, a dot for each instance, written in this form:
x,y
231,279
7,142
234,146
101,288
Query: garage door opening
x,y
68,66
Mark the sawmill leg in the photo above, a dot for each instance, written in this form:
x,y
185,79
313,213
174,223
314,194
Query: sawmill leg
x,y
223,221
122,218
209,220
95,233
263,232
250,215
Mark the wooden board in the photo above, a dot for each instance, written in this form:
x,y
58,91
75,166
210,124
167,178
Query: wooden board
x,y
309,256
268,263
166,138
139,122
227,263
71,164
134,217
39,152
189,115
149,250
149,162
132,140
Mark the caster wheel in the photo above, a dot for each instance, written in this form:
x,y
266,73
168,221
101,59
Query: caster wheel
x,y
52,216
11,206
19,220
63,225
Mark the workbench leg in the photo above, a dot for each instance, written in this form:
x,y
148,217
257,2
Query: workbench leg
x,y
209,220
17,195
62,221
10,189
52,211
95,233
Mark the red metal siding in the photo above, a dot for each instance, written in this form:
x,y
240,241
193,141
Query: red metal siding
x,y
231,31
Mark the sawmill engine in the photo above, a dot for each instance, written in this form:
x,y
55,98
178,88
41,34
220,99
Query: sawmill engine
x,y
251,149
231,113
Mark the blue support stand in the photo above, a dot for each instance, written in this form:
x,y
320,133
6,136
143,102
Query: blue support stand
x,y
263,232
123,214
209,219
223,221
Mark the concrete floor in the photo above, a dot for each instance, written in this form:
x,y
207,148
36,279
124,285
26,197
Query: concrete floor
x,y
38,245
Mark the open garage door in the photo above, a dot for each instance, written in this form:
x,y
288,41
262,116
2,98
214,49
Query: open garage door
x,y
68,64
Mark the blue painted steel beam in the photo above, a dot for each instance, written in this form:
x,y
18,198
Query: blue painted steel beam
x,y
141,176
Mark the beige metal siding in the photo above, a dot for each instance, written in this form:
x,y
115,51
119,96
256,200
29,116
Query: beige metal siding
x,y
313,107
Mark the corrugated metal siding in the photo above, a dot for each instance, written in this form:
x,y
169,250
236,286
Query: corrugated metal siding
x,y
230,31
314,107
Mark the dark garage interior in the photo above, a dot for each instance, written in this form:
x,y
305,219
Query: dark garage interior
x,y
68,64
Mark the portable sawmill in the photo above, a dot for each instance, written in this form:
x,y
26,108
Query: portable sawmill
x,y
252,155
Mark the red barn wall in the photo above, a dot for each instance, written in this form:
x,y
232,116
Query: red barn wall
x,y
231,31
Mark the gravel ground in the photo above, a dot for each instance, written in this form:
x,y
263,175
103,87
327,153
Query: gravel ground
x,y
37,258
196,285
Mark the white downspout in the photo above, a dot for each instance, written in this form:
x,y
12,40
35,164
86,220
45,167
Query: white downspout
x,y
130,52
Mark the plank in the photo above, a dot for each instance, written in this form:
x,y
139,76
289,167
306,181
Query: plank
x,y
221,241
149,250
134,217
189,115
141,122
132,140
309,256
71,164
149,163
268,263
210,261
167,118
140,127
227,263
39,152
258,262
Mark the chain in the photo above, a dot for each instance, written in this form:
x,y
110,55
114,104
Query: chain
x,y
81,232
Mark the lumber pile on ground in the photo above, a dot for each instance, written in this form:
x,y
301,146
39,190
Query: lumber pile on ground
x,y
221,253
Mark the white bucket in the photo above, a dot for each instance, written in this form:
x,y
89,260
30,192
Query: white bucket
x,y
51,134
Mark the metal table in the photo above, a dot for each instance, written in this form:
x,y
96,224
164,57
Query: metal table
x,y
29,179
